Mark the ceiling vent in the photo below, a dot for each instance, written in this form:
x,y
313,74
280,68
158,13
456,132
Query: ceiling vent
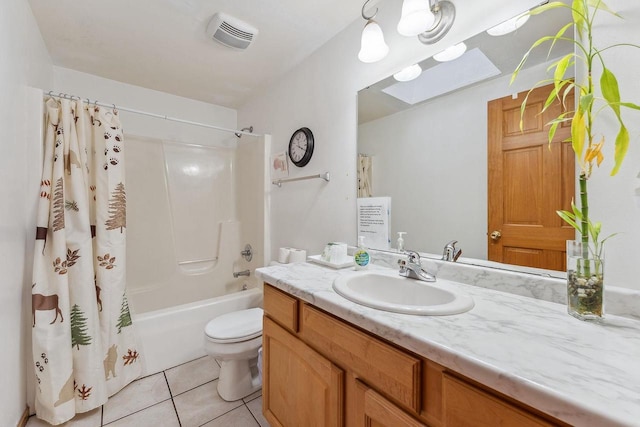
x,y
231,31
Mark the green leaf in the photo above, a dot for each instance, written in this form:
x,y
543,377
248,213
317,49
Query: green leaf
x,y
567,91
577,213
630,105
610,90
579,14
566,217
594,230
578,134
526,56
559,35
598,4
552,97
562,118
622,145
585,102
561,69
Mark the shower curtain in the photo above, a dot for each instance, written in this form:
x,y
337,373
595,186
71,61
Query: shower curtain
x,y
364,175
84,345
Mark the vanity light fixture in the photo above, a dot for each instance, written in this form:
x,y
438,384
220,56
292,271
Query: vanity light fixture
x,y
372,45
509,25
408,73
444,13
451,53
416,17
430,20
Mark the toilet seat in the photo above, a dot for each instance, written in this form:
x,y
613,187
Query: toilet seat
x,y
235,327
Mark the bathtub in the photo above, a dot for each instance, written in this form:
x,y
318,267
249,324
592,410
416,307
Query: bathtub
x,y
172,336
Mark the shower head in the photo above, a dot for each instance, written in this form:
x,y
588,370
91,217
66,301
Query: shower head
x,y
249,129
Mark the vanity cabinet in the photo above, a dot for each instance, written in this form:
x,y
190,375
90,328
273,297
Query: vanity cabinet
x,y
320,370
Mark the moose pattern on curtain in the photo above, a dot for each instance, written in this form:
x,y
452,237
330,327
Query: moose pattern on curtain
x,y
84,345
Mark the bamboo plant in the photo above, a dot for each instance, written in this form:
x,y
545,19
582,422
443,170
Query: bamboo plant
x,y
586,145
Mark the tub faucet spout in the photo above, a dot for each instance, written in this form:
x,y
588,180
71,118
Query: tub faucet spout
x,y
242,273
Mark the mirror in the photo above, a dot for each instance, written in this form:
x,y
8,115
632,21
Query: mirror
x,y
427,139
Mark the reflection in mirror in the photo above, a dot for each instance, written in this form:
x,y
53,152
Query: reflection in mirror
x,y
425,141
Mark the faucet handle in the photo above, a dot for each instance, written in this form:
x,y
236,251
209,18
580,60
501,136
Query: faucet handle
x,y
413,256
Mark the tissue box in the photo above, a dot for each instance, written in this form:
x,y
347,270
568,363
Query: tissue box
x,y
334,252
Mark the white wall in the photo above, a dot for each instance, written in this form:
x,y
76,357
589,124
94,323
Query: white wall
x,y
25,62
431,159
321,93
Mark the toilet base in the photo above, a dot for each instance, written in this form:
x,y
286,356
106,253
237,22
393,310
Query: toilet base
x,y
238,379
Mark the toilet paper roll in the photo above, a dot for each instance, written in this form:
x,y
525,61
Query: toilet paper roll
x,y
283,255
297,255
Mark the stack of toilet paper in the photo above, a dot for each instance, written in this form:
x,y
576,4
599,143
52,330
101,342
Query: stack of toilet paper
x,y
289,255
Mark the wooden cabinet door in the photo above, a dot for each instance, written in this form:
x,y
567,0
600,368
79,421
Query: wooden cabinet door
x,y
300,387
373,410
468,406
529,180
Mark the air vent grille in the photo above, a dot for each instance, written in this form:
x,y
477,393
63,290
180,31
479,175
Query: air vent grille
x,y
231,31
225,26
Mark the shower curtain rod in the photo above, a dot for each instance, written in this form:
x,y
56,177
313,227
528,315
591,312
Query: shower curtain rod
x,y
146,113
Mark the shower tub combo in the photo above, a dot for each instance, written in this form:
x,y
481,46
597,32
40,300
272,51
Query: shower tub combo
x,y
186,230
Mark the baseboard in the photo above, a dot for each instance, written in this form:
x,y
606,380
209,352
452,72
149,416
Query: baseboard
x,y
24,418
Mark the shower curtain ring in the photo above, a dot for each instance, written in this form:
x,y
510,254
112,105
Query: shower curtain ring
x,y
50,93
115,110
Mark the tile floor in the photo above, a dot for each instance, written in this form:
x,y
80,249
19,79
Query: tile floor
x,y
183,396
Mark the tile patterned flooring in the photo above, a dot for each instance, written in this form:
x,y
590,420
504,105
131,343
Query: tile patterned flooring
x,y
183,396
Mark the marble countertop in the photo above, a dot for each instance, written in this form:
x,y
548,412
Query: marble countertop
x,y
585,374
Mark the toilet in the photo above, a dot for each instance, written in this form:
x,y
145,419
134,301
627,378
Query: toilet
x,y
234,339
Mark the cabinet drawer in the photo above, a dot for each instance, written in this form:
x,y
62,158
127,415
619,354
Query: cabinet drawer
x,y
378,364
281,307
467,405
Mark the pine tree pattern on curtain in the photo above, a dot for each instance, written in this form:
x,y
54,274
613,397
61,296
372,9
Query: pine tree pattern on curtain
x,y
84,345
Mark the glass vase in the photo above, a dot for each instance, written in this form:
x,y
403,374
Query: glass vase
x,y
585,283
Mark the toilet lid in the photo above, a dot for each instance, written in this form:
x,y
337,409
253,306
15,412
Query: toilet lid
x,y
237,326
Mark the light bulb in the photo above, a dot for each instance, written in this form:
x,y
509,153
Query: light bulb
x,y
372,45
451,53
509,26
416,17
408,73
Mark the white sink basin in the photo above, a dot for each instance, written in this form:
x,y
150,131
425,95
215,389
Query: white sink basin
x,y
390,292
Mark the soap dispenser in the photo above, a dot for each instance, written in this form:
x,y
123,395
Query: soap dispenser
x,y
400,241
361,256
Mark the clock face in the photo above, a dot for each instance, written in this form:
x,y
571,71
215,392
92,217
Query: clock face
x,y
298,146
301,147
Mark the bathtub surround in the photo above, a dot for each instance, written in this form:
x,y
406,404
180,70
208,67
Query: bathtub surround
x,y
84,344
519,346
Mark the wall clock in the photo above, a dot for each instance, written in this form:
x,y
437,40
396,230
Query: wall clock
x,y
301,147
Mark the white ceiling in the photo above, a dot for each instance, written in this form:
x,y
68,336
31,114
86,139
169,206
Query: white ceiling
x,y
162,45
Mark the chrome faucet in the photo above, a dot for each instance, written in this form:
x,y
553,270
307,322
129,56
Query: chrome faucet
x,y
451,253
413,269
242,273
